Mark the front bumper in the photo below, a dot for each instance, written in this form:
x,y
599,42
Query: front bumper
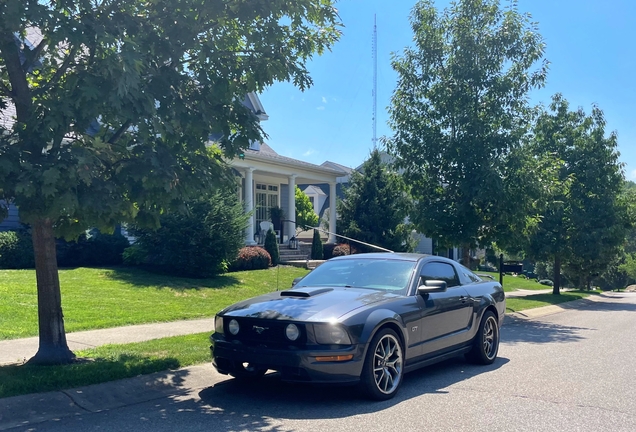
x,y
293,363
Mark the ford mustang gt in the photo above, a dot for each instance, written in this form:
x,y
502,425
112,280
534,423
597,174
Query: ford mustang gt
x,y
363,319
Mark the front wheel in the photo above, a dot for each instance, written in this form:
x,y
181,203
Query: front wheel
x,y
486,341
247,371
383,366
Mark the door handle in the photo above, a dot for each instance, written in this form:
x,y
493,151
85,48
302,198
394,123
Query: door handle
x,y
463,299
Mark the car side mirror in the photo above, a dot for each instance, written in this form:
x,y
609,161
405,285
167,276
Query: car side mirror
x,y
295,281
431,286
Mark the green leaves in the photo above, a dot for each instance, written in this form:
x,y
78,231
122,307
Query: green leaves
x,y
460,114
306,217
115,101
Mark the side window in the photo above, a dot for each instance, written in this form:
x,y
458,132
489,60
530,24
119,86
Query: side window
x,y
440,271
466,276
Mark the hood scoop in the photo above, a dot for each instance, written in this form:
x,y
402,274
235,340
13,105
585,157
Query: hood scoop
x,y
305,294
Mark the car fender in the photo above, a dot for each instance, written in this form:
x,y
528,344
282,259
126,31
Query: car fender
x,y
376,320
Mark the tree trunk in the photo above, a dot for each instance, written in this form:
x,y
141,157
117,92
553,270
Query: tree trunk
x,y
53,347
556,288
466,255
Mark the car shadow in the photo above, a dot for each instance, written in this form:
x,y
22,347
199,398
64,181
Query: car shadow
x,y
522,331
272,398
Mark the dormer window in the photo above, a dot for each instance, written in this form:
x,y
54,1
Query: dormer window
x,y
255,145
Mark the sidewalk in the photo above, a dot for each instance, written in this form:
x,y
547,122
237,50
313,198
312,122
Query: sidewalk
x,y
20,350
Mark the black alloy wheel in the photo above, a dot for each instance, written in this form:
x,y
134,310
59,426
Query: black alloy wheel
x,y
486,341
383,366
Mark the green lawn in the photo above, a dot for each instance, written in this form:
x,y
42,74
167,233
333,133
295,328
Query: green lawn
x,y
516,304
513,283
107,363
95,298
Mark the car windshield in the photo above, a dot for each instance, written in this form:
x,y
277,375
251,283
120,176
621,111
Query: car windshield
x,y
379,274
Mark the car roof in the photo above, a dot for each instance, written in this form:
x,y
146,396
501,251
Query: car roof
x,y
386,255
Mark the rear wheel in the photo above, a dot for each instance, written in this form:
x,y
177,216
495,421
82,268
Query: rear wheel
x,y
383,366
486,341
247,371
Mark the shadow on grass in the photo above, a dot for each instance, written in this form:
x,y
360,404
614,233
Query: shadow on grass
x,y
144,278
25,379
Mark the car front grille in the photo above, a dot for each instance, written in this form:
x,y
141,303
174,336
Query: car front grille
x,y
263,332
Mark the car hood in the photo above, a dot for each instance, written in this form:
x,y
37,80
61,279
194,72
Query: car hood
x,y
308,303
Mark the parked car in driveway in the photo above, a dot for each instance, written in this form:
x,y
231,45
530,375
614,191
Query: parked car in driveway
x,y
363,319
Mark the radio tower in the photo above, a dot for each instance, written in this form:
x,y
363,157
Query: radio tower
x,y
374,93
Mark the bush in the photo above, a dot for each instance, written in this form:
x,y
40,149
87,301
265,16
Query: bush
x,y
251,258
547,282
196,243
271,246
327,250
341,250
91,250
316,246
16,250
133,256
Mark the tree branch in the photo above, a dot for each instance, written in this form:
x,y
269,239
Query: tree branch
x,y
58,73
20,93
33,55
119,133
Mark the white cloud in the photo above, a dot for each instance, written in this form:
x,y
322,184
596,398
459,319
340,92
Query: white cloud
x,y
320,108
309,152
324,99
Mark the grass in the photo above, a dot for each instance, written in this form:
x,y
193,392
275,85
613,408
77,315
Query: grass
x,y
94,298
516,304
514,283
107,363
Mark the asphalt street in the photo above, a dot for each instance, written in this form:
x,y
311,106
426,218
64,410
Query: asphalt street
x,y
570,371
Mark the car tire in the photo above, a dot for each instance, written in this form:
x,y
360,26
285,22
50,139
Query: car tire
x,y
247,372
486,342
383,368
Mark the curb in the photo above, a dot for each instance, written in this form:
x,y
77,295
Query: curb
x,y
21,411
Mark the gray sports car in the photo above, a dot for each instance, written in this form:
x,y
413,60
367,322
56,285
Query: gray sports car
x,y
363,319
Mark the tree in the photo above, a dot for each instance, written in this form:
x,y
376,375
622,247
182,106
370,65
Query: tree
x,y
114,102
585,221
271,246
200,242
459,114
306,217
375,207
316,246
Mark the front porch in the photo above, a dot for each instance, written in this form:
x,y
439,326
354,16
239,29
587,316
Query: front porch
x,y
269,180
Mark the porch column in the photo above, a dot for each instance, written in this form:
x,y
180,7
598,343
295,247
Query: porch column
x,y
332,213
290,228
248,200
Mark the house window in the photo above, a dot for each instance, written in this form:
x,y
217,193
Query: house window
x,y
266,198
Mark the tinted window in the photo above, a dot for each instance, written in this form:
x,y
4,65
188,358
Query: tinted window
x,y
466,276
380,274
440,271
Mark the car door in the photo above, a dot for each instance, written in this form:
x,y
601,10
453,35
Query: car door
x,y
445,315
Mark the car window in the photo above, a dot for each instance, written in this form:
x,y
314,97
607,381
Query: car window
x,y
466,276
380,274
440,271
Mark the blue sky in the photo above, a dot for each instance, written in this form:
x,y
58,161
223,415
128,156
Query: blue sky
x,y
591,46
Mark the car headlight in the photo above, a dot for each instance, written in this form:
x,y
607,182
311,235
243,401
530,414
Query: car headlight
x,y
218,324
328,334
292,332
233,327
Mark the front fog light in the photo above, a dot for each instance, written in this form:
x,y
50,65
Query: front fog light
x,y
233,327
292,332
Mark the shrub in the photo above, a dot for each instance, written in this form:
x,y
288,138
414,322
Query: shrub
x,y
271,246
133,256
92,249
316,246
197,242
16,250
327,250
251,258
